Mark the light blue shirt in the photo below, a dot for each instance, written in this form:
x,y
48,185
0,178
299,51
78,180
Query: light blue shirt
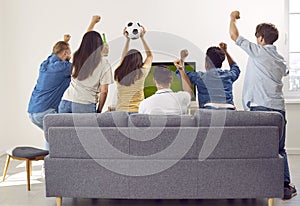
x,y
263,77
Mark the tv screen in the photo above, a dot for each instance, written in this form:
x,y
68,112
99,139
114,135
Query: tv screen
x,y
149,86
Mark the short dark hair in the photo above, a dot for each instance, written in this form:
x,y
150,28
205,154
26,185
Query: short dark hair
x,y
163,75
267,31
215,56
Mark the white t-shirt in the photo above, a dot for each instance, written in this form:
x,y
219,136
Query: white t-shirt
x,y
165,101
87,91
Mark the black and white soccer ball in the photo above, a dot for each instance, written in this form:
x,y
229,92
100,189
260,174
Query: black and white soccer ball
x,y
134,30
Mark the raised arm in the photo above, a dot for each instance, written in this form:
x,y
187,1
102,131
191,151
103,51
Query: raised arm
x,y
126,47
223,46
95,20
233,30
149,58
186,83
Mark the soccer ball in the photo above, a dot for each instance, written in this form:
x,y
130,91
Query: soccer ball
x,y
133,30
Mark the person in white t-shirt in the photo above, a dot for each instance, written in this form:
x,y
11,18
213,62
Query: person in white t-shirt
x,y
90,76
165,101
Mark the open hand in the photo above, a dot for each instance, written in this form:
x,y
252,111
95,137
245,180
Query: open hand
x,y
143,32
125,33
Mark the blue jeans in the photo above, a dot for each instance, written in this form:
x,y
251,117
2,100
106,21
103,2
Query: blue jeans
x,y
73,107
37,119
282,151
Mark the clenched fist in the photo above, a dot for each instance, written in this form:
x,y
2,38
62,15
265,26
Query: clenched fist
x,y
235,15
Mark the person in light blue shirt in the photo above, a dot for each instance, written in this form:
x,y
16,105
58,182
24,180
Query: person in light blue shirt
x,y
215,85
54,78
262,89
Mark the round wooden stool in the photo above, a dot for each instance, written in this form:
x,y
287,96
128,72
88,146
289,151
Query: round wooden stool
x,y
27,154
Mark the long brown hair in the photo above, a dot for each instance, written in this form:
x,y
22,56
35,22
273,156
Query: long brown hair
x,y
88,56
130,69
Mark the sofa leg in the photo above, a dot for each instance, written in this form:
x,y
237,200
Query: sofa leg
x,y
58,201
270,201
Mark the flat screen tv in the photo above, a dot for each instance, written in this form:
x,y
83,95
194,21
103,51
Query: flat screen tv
x,y
150,88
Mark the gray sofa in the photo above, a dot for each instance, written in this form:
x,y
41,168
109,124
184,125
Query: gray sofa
x,y
211,154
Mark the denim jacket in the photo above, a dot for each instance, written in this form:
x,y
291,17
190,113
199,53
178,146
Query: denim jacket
x,y
54,78
214,85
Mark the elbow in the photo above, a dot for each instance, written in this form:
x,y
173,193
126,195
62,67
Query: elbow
x,y
234,36
104,93
150,55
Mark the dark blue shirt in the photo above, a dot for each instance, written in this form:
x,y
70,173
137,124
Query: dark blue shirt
x,y
54,78
214,85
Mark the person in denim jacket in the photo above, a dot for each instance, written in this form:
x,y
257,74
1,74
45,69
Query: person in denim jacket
x,y
54,78
215,85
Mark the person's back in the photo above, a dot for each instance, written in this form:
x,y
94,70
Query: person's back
x,y
91,75
265,70
86,91
215,85
130,76
54,79
165,101
129,97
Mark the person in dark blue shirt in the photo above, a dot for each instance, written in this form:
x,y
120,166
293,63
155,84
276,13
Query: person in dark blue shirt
x,y
54,78
215,85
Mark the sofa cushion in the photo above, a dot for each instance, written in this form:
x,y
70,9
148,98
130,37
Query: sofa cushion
x,y
146,120
208,118
88,142
107,119
113,119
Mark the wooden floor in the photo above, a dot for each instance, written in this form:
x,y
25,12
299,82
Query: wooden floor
x,y
13,191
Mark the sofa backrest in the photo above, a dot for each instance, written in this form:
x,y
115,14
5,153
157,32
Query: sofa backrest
x,y
107,119
229,118
210,134
145,120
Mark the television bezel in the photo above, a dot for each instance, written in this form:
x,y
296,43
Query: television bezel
x,y
166,63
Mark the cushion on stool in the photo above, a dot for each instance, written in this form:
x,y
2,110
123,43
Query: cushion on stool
x,y
28,152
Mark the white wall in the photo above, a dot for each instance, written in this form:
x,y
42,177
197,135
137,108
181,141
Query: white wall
x,y
32,27
2,14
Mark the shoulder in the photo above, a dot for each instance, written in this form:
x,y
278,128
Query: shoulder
x,y
241,39
56,65
145,103
104,62
195,74
184,97
183,94
145,69
234,66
